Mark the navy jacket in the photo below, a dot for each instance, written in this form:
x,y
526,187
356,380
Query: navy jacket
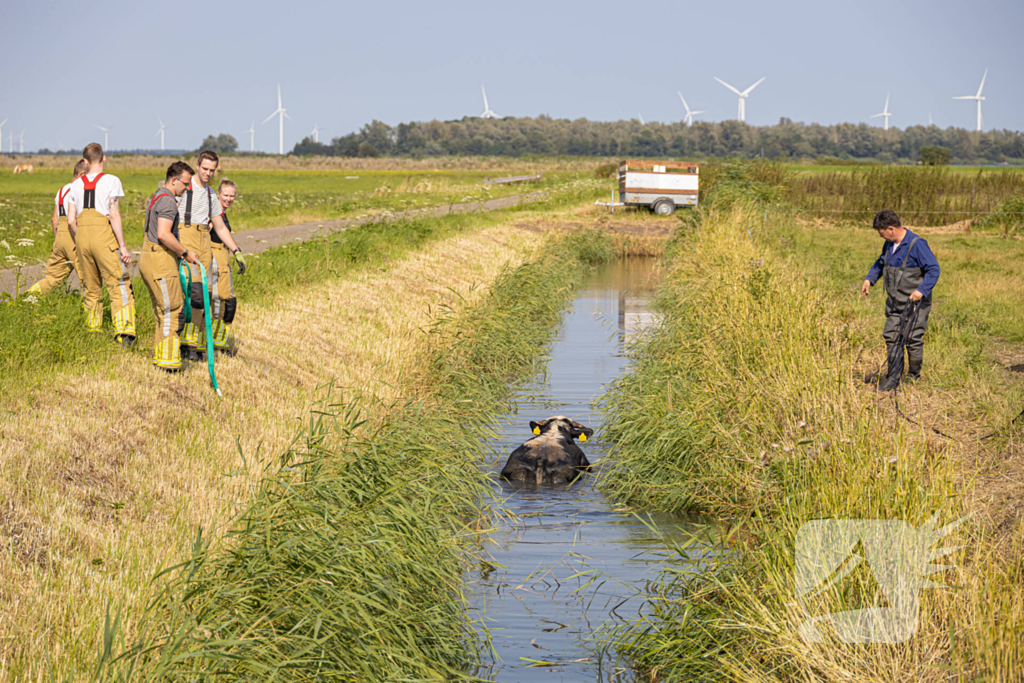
x,y
921,256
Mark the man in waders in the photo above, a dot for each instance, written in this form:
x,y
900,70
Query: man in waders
x,y
909,272
64,255
158,265
94,220
224,303
197,211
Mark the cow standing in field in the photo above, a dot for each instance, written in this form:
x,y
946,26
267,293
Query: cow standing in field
x,y
552,456
23,168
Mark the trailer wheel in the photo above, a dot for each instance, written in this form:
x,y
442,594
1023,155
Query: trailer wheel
x,y
664,207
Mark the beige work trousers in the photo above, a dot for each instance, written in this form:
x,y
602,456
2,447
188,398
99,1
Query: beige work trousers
x,y
100,264
196,238
63,259
158,266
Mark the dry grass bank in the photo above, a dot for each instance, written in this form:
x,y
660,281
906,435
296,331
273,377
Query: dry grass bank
x,y
106,476
748,402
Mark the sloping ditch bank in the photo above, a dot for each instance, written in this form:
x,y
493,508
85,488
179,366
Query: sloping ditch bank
x,y
347,564
746,403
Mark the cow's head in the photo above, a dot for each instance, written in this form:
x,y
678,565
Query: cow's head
x,y
562,424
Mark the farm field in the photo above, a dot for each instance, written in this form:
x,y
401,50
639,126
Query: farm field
x,y
748,403
364,311
266,198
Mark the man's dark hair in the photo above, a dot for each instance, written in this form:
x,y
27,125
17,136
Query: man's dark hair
x,y
177,168
208,155
887,218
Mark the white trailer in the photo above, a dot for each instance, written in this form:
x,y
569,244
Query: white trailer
x,y
662,186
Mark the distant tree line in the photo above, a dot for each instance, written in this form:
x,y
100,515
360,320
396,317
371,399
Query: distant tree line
x,y
786,140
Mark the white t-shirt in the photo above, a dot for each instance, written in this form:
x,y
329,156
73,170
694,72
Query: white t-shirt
x,y
67,197
205,204
108,187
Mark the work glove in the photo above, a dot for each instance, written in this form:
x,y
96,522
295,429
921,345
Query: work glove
x,y
240,260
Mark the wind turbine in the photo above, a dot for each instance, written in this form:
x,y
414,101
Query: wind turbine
x,y
930,119
280,111
885,112
161,133
21,143
316,133
743,96
2,136
488,114
642,122
252,136
106,137
689,114
977,97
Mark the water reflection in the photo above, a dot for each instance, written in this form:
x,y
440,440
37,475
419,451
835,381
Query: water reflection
x,y
564,561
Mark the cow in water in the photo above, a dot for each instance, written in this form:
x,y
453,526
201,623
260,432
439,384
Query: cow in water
x,y
552,456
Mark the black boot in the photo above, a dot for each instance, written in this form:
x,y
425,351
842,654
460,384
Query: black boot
x,y
894,371
914,369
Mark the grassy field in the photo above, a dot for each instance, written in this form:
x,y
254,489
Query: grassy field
x,y
266,198
747,403
99,496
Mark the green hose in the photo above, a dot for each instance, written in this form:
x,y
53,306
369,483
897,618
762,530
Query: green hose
x,y
185,276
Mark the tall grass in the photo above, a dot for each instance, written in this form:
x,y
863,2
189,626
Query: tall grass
x,y
346,564
746,403
928,195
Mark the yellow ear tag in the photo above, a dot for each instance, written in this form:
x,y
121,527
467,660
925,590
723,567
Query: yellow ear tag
x,y
583,436
536,430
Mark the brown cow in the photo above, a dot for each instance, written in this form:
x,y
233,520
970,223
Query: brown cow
x,y
551,457
24,168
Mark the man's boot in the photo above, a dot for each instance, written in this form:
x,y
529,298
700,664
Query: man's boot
x,y
894,370
914,369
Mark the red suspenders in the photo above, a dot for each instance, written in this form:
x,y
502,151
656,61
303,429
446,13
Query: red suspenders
x,y
89,198
60,202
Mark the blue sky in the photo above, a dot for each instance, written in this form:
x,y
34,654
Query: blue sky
x,y
214,67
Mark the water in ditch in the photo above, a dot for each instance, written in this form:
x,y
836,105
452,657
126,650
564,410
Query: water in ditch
x,y
563,562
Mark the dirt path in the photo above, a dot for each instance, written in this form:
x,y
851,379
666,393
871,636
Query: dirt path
x,y
256,241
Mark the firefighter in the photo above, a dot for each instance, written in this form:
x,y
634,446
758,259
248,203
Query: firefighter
x,y
197,211
64,255
909,271
224,303
94,221
162,251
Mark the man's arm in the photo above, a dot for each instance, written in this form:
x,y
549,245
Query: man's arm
x,y
115,225
55,219
873,274
930,265
164,233
223,233
72,219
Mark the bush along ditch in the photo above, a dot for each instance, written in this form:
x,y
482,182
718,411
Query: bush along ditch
x,y
346,564
744,403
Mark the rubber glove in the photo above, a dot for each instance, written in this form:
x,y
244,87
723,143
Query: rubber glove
x,y
240,260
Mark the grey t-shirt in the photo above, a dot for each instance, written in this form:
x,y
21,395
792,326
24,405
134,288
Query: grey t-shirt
x,y
163,204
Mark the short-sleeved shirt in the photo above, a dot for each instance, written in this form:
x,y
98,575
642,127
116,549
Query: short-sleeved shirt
x,y
65,193
108,187
198,204
163,204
